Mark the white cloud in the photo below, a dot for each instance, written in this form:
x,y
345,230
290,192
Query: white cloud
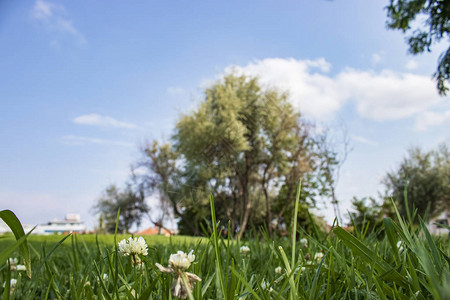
x,y
384,95
103,121
411,65
364,140
310,90
175,91
376,58
73,140
51,15
387,95
429,119
44,10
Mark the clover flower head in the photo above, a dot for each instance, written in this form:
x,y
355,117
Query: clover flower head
x,y
278,270
265,285
12,261
244,250
12,283
21,268
181,260
178,264
304,242
133,246
318,256
299,269
400,246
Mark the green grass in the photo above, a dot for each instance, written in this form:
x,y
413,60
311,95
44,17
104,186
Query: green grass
x,y
357,265
105,239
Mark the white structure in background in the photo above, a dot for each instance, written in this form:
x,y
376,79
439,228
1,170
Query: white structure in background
x,y
72,223
443,218
5,229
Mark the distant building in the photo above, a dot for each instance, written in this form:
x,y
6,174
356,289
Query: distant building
x,y
3,227
72,223
443,218
154,231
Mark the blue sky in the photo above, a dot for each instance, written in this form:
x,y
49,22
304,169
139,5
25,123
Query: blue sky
x,y
84,83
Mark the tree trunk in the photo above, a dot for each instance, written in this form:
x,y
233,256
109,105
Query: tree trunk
x,y
245,220
268,213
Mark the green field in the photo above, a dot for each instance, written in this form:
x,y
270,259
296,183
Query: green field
x,y
398,261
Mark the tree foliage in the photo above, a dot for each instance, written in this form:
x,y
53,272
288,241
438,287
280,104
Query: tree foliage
x,y
367,215
406,15
132,207
424,177
245,145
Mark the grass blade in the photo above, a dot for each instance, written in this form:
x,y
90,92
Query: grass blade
x,y
16,227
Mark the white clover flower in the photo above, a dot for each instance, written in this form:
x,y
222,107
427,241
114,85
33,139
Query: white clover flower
x,y
304,242
12,283
133,246
21,268
265,285
124,247
12,261
244,250
191,256
278,270
181,260
105,276
400,246
318,256
298,269
178,263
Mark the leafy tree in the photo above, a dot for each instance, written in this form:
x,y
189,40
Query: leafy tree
x,y
245,145
406,15
424,177
368,214
132,207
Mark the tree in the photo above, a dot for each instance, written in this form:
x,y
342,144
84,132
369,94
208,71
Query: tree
x,y
245,145
160,170
132,207
367,212
424,177
405,15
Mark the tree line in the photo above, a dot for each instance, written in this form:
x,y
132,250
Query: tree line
x,y
248,147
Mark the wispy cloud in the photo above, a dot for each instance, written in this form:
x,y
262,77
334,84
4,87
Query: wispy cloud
x,y
376,58
380,96
363,140
74,140
411,64
175,91
103,121
44,10
432,119
52,15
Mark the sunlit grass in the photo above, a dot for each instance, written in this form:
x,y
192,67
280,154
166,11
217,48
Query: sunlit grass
x,y
399,261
